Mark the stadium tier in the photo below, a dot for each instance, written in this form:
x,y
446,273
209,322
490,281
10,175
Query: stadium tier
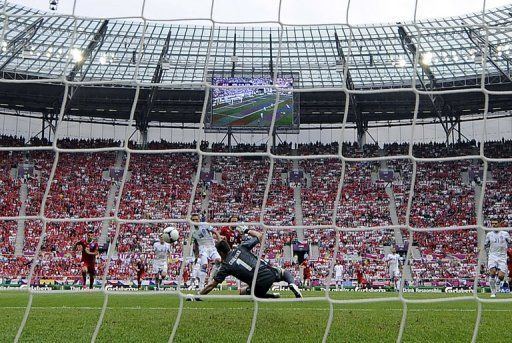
x,y
159,187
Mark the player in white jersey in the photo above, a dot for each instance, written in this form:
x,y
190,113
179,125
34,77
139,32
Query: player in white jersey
x,y
198,277
161,252
195,275
393,261
204,245
338,274
496,244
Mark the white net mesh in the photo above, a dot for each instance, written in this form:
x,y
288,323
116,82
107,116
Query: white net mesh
x,y
336,166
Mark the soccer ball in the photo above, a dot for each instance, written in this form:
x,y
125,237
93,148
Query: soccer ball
x,y
170,234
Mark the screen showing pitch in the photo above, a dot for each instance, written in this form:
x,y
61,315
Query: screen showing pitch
x,y
251,107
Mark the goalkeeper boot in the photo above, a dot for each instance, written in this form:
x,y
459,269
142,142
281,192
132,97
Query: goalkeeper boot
x,y
293,287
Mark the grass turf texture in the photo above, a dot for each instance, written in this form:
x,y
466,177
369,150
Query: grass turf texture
x,y
150,318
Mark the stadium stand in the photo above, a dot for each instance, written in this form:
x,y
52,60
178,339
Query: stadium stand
x,y
159,186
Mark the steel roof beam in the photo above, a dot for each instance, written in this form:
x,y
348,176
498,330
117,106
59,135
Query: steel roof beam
x,y
22,39
271,61
96,42
437,101
142,119
361,123
480,42
93,46
233,58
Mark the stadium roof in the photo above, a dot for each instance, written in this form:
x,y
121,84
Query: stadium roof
x,y
450,51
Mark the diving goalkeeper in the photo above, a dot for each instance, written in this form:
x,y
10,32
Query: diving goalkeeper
x,y
240,262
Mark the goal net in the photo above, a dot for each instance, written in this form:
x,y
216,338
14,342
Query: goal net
x,y
354,223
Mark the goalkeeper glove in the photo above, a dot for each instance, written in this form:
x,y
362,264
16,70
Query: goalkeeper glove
x,y
242,229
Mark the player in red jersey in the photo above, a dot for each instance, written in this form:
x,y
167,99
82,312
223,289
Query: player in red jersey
x,y
306,273
186,276
361,282
140,269
230,234
89,252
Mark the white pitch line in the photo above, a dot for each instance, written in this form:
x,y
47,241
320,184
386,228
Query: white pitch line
x,y
136,308
251,101
248,101
249,114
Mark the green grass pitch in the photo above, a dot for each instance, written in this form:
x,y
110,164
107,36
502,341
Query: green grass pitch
x,y
150,318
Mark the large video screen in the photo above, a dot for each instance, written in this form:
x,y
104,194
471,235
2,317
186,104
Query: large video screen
x,y
251,107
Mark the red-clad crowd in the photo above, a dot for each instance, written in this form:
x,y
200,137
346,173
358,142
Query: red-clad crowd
x,y
159,186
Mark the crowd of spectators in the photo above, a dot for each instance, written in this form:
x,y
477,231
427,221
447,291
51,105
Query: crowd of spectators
x,y
78,188
447,257
364,201
441,195
160,186
238,188
498,188
9,186
358,252
280,206
321,191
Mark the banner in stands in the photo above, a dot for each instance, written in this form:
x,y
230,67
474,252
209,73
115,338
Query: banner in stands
x,y
116,173
386,175
300,246
296,176
25,170
129,286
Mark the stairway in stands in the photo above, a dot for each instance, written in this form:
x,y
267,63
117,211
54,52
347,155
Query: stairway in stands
x,y
287,253
394,217
399,239
314,252
298,205
20,234
111,200
392,203
207,163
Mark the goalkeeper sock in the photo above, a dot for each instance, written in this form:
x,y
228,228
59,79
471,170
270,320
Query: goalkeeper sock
x,y
215,268
84,279
91,281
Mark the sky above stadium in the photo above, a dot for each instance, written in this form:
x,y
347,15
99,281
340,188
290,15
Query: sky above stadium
x,y
292,11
